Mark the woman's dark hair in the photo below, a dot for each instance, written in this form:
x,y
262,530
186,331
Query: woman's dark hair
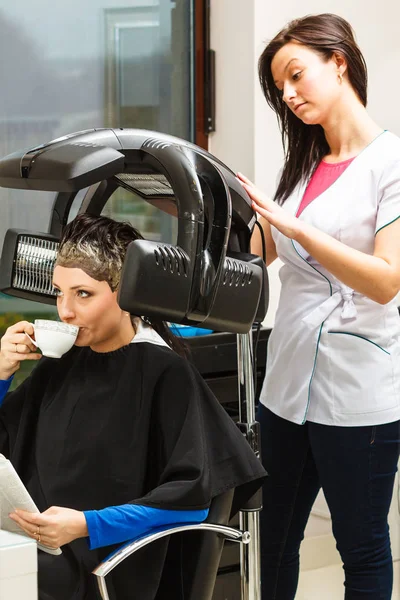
x,y
98,245
305,145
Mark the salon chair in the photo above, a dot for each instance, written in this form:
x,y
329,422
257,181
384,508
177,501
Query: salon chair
x,y
193,555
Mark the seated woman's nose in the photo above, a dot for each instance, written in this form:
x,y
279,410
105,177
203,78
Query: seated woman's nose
x,y
65,311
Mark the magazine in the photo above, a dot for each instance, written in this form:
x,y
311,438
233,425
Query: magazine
x,y
13,494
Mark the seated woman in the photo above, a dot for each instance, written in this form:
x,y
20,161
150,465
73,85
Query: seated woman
x,y
118,436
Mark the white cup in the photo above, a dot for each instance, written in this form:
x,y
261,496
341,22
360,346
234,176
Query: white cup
x,y
53,337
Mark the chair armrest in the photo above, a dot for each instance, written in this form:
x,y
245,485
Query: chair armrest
x,y
116,557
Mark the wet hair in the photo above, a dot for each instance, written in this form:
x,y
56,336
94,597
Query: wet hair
x,y
305,145
98,246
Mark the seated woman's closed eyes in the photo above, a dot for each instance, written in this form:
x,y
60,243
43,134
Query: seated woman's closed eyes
x,y
120,435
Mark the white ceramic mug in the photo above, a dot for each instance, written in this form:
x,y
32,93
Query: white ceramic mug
x,y
53,337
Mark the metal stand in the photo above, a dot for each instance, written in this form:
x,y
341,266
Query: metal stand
x,y
250,564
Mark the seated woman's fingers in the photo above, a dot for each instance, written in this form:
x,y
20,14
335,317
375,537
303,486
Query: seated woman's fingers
x,y
16,345
23,352
16,333
36,527
22,340
30,356
20,327
14,352
22,349
29,528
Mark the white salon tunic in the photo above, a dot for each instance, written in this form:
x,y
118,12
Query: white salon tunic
x,y
334,354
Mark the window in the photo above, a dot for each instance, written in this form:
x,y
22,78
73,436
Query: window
x,y
81,65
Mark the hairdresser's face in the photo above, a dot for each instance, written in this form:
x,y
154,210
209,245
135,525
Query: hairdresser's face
x,y
310,85
92,305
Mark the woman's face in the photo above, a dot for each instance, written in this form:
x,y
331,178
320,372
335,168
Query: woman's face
x,y
310,85
92,305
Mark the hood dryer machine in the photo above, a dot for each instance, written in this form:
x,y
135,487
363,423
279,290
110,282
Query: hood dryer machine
x,y
207,279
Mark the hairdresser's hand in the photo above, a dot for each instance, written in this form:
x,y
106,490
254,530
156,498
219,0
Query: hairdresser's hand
x,y
56,526
15,346
271,211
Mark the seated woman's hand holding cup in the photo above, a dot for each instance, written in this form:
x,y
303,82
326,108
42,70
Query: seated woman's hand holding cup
x,y
15,347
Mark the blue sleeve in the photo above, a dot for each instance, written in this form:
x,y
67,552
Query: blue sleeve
x,y
117,524
4,387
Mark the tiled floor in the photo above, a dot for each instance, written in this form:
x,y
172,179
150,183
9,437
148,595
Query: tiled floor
x,y
327,584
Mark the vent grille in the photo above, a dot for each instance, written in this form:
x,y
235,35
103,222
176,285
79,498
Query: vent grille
x,y
34,265
171,259
147,185
236,273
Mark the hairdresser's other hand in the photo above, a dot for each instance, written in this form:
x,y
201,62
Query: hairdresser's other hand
x,y
270,210
56,525
15,347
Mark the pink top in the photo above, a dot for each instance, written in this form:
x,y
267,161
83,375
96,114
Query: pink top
x,y
324,176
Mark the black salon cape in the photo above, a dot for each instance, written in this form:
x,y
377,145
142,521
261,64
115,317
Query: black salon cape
x,y
137,425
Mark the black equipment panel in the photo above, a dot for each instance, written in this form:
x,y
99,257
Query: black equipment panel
x,y
215,356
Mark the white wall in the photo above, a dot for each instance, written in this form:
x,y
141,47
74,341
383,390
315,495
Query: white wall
x,y
232,37
247,137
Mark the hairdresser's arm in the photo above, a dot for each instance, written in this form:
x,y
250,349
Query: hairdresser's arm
x,y
376,276
256,241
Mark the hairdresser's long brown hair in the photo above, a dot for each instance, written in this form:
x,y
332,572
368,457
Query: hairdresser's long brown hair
x,y
305,145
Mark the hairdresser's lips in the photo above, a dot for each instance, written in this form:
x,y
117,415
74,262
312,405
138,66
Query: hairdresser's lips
x,y
297,107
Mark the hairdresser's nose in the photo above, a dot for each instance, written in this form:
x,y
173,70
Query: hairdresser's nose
x,y
289,92
66,310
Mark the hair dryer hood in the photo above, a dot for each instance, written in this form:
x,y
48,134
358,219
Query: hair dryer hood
x,y
178,283
82,159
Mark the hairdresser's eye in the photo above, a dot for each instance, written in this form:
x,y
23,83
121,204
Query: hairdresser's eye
x,y
83,294
296,75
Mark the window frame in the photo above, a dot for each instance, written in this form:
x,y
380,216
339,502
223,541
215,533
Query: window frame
x,y
201,41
